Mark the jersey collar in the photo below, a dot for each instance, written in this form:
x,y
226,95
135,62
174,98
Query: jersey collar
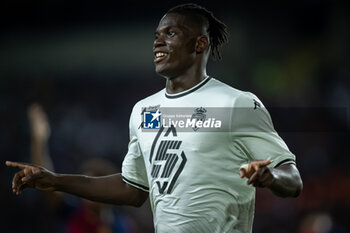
x,y
192,89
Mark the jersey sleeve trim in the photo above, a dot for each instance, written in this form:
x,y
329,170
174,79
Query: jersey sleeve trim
x,y
285,161
136,185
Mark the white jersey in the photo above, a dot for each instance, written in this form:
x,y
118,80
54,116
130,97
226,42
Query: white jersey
x,y
193,177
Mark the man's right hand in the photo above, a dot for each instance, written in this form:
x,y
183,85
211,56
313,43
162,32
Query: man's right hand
x,y
31,176
109,189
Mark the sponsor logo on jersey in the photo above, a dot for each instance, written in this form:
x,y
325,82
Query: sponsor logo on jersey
x,y
256,104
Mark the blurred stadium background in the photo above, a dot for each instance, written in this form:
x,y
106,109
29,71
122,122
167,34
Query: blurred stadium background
x,y
89,62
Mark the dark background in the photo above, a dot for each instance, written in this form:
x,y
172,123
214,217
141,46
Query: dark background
x,y
89,62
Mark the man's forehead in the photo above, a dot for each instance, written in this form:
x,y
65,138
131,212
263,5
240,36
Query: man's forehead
x,y
172,20
193,23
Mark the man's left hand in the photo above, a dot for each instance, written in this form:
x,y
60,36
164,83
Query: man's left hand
x,y
258,174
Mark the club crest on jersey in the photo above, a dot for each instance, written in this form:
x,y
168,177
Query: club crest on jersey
x,y
199,115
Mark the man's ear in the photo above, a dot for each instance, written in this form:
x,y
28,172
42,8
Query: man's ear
x,y
202,44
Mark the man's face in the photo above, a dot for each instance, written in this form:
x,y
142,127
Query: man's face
x,y
174,46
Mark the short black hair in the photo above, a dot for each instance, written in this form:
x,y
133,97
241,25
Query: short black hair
x,y
217,30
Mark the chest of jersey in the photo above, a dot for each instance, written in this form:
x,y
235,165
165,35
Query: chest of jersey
x,y
172,157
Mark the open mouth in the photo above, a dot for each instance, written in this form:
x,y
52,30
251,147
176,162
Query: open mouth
x,y
159,56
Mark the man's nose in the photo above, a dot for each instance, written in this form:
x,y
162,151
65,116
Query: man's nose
x,y
159,41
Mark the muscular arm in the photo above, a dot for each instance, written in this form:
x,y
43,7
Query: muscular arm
x,y
108,189
286,181
283,181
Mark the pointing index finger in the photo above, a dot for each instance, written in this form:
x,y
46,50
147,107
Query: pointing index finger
x,y
266,162
16,164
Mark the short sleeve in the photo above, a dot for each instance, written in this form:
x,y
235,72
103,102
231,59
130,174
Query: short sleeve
x,y
133,167
253,133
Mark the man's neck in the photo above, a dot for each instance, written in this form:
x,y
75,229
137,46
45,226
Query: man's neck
x,y
183,82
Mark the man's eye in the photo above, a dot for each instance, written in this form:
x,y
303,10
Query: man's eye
x,y
171,33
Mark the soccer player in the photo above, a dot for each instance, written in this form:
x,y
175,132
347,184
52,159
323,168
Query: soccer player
x,y
193,178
